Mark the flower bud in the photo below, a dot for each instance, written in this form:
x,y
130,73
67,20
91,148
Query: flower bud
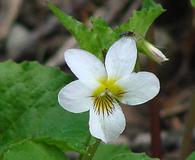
x,y
151,51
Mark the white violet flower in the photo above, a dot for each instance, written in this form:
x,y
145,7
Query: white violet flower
x,y
100,87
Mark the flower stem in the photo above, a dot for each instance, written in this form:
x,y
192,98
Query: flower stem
x,y
91,149
154,111
137,65
187,140
155,127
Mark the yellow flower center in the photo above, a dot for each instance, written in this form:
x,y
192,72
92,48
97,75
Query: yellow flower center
x,y
110,86
106,95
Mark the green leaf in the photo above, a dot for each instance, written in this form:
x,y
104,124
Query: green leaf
x,y
109,151
33,151
100,37
147,4
192,2
113,152
95,39
191,156
83,35
105,35
133,156
29,108
142,20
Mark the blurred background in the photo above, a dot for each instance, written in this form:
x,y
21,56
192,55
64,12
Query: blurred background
x,y
162,127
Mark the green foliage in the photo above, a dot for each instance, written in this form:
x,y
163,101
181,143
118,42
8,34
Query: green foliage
x,y
109,151
100,37
133,156
192,2
113,152
32,124
142,20
82,34
105,36
29,150
29,108
191,156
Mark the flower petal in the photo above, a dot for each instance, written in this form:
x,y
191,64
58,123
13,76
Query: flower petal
x,y
139,87
107,127
75,97
88,68
121,58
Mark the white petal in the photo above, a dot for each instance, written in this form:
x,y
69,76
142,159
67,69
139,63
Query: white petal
x,y
139,87
88,68
121,58
75,97
107,127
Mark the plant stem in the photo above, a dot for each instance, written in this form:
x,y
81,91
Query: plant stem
x,y
154,118
91,149
87,144
186,146
154,111
137,65
155,128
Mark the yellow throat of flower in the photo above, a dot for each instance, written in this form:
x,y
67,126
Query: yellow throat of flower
x,y
109,86
106,95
